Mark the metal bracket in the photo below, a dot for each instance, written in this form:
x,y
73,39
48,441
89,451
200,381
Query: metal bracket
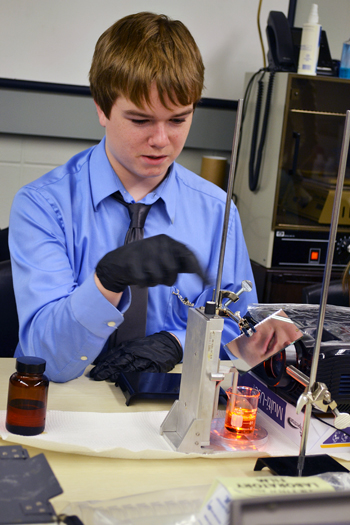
x,y
319,397
188,423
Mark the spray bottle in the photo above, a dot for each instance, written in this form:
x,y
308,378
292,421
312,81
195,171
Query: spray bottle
x,y
310,44
344,70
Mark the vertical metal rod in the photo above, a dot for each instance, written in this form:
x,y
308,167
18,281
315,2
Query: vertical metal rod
x,y
325,286
236,135
235,381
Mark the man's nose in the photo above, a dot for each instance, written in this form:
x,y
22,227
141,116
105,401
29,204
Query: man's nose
x,y
159,137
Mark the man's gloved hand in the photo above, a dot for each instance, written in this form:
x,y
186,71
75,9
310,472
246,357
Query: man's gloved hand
x,y
159,352
148,262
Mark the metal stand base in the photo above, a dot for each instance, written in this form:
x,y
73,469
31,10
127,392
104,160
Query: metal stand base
x,y
287,466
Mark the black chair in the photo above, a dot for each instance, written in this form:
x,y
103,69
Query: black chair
x,y
8,312
4,246
336,295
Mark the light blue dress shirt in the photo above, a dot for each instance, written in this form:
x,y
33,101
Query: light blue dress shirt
x,y
62,224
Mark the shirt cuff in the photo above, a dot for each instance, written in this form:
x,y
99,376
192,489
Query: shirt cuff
x,y
93,311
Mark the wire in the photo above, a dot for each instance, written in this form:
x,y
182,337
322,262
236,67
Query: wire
x,y
246,98
249,89
255,163
330,425
260,35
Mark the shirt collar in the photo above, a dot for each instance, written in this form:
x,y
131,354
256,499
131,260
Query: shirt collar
x,y
104,182
102,176
167,192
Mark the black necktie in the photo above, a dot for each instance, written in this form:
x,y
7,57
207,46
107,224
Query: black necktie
x,y
138,213
134,324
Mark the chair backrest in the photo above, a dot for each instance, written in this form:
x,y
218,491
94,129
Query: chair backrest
x,y
336,295
4,246
8,312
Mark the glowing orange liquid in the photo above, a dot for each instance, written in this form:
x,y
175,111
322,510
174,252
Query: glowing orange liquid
x,y
240,420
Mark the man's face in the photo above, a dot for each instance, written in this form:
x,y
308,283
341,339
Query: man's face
x,y
141,144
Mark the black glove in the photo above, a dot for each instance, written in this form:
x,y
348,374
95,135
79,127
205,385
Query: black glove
x,y
159,352
148,262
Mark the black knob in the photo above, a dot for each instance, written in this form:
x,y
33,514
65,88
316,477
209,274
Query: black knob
x,y
210,308
342,249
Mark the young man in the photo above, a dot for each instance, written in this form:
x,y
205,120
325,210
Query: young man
x,y
72,272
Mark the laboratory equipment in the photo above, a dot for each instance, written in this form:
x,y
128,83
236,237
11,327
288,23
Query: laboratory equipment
x,y
188,424
334,361
241,409
286,220
316,393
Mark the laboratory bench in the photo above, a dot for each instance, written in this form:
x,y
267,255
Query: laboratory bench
x,y
87,478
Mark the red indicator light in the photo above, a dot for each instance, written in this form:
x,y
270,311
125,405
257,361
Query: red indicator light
x,y
314,255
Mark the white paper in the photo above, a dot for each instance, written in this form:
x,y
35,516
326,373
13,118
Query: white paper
x,y
122,435
134,435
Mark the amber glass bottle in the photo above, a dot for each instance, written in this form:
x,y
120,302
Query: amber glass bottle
x,y
27,397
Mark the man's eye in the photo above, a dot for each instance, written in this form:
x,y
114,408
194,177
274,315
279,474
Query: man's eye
x,y
140,122
178,120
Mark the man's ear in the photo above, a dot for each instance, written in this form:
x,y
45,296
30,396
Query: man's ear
x,y
101,116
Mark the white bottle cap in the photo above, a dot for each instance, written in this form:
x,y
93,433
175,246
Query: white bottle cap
x,y
313,16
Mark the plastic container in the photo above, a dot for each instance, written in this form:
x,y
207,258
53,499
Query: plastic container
x,y
310,44
27,397
344,69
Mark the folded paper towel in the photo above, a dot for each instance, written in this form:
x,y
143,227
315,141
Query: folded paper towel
x,y
134,435
121,435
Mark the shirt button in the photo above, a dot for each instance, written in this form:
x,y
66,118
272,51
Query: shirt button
x,y
111,323
83,358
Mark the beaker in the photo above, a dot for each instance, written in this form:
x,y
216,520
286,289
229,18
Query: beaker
x,y
241,409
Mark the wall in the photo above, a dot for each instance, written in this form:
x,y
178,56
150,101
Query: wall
x,y
53,40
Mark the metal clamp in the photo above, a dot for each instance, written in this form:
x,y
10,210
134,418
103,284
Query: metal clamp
x,y
232,297
244,324
319,397
183,300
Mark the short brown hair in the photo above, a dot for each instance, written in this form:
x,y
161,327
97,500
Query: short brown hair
x,y
142,49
